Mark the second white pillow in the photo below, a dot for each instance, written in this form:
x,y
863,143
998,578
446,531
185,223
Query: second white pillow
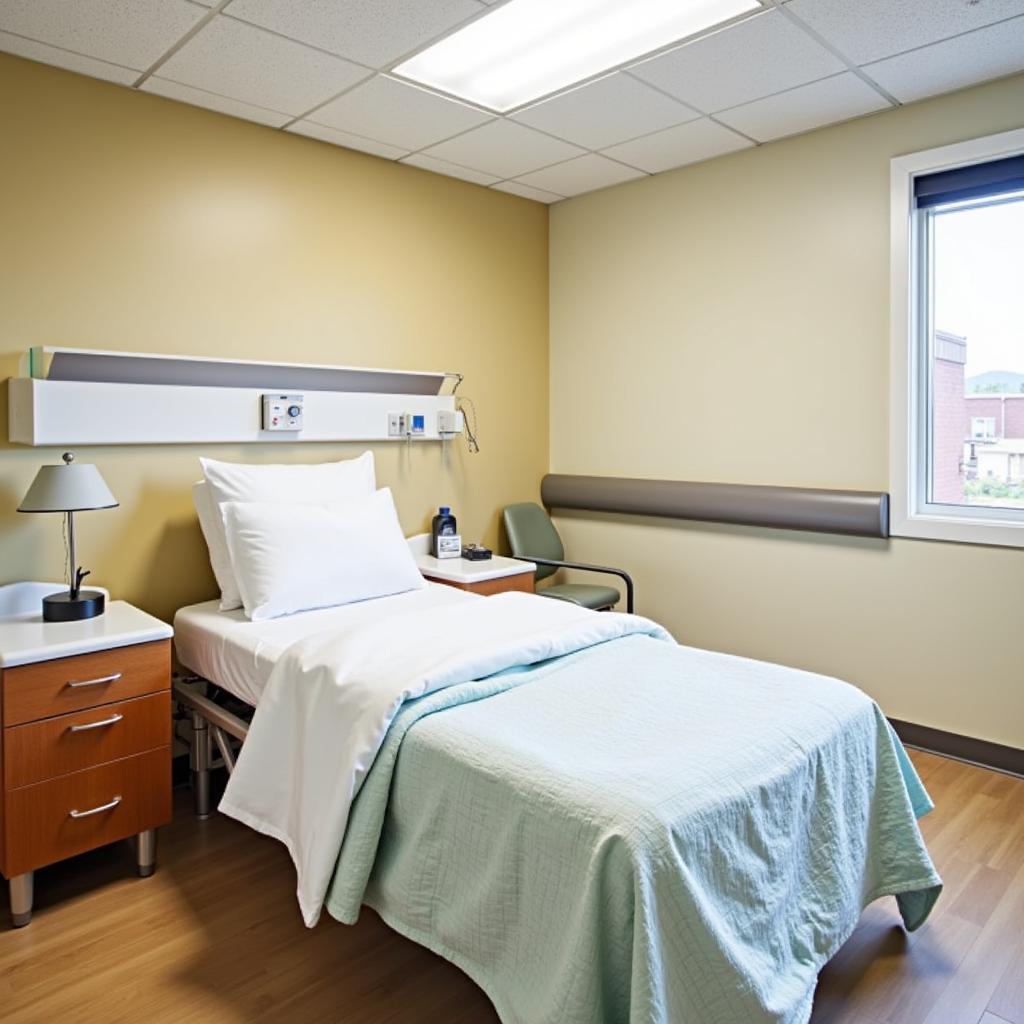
x,y
290,558
289,483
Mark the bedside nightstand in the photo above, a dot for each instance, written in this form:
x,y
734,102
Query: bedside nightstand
x,y
494,576
86,738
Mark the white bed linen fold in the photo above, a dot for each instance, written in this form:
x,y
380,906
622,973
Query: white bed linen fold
x,y
239,655
331,699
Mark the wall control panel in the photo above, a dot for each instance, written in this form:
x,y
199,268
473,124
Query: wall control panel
x,y
449,422
407,424
282,412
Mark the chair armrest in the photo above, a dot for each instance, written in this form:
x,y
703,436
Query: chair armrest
x,y
583,566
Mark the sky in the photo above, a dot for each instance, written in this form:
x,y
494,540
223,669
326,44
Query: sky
x,y
979,283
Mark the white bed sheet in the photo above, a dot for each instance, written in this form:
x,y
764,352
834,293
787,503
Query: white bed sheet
x,y
239,655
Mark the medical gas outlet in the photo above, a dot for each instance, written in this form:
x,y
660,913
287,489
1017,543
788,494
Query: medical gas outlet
x,y
282,412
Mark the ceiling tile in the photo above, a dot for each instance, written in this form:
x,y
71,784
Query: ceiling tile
x,y
399,114
32,50
954,63
211,101
610,110
808,106
584,174
429,163
233,59
870,29
373,32
346,139
133,34
504,149
744,62
684,144
538,195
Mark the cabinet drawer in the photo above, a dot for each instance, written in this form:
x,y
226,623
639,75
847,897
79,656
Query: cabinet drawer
x,y
55,746
40,828
47,688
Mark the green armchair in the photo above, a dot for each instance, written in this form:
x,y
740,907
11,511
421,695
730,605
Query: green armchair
x,y
533,537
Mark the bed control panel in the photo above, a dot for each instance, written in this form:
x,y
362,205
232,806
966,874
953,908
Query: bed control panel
x,y
282,412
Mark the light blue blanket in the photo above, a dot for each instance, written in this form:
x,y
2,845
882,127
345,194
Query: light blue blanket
x,y
638,832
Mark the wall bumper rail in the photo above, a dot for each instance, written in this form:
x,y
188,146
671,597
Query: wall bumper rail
x,y
853,513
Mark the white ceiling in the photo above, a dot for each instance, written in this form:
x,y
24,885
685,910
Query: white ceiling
x,y
320,68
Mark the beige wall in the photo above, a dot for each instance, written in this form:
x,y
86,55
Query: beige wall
x,y
729,322
131,222
724,322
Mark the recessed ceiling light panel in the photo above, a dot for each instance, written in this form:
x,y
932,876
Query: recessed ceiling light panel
x,y
526,49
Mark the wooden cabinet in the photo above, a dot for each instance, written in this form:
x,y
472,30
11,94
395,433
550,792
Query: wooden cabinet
x,y
85,755
496,575
522,582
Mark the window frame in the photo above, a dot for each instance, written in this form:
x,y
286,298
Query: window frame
x,y
911,340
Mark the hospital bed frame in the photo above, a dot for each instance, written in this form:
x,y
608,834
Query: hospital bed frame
x,y
210,723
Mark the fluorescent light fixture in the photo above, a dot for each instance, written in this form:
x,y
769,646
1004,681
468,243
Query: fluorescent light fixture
x,y
526,49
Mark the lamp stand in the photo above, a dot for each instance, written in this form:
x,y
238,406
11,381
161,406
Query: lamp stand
x,y
77,603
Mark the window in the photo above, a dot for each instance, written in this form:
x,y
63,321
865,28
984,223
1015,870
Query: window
x,y
958,342
983,428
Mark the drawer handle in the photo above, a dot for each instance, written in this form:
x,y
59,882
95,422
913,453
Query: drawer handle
x,y
96,725
95,682
96,810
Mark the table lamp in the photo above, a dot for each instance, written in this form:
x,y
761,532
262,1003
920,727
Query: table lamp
x,y
69,489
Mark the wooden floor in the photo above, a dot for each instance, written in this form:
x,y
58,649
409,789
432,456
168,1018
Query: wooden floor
x,y
215,937
966,964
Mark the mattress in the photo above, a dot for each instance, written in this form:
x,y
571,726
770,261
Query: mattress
x,y
239,655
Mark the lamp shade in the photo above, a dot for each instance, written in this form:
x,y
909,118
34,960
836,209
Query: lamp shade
x,y
68,488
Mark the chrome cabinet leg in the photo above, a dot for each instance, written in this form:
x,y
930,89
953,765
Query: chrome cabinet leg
x,y
199,758
145,852
21,899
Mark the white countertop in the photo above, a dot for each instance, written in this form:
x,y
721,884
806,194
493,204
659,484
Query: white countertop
x,y
25,638
462,570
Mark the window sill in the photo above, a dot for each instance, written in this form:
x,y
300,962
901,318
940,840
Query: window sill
x,y
1008,533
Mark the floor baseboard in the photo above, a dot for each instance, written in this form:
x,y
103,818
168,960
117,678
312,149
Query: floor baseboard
x,y
963,748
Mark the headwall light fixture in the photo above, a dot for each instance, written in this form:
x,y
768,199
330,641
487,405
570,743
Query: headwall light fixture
x,y
527,49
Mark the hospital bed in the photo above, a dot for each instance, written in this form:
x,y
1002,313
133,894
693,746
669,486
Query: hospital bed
x,y
514,824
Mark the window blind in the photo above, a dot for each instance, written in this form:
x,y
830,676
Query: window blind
x,y
973,182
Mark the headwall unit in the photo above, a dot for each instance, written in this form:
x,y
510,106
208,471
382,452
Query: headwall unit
x,y
86,397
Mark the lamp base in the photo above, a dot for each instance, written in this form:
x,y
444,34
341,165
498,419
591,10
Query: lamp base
x,y
63,607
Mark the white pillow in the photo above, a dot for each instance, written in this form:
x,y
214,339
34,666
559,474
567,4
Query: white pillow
x,y
291,484
212,527
291,558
